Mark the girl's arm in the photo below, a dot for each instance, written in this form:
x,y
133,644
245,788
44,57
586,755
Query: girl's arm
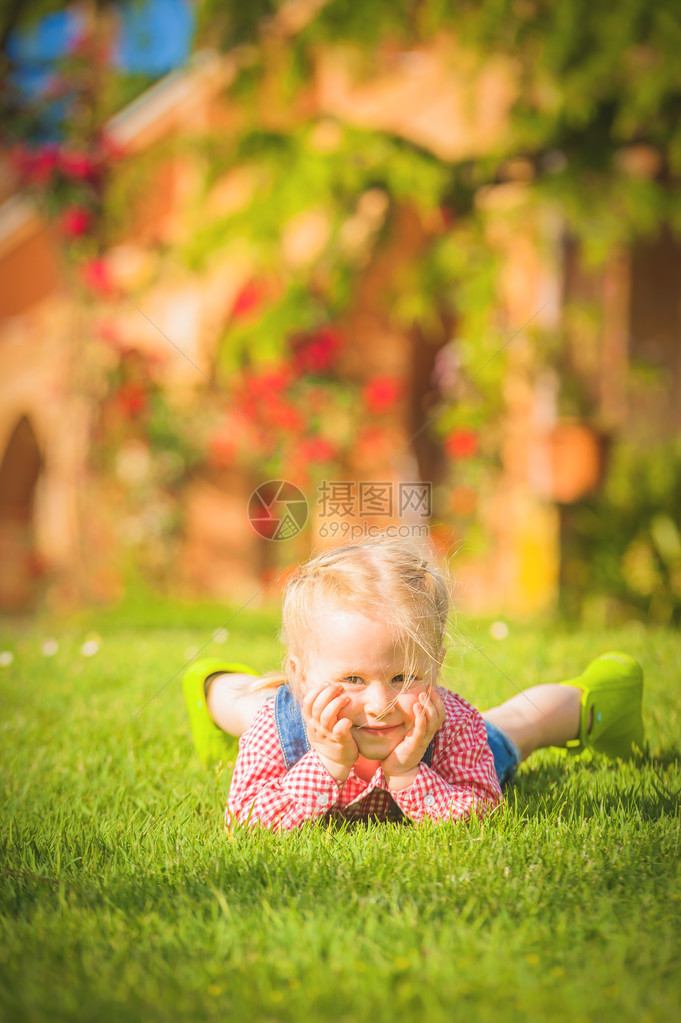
x,y
262,792
461,779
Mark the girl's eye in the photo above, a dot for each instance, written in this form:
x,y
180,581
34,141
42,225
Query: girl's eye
x,y
397,680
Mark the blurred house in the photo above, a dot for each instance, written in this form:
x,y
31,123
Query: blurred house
x,y
58,524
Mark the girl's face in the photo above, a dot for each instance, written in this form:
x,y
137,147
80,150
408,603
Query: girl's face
x,y
361,654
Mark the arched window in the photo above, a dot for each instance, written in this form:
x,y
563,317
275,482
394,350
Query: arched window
x,y
19,471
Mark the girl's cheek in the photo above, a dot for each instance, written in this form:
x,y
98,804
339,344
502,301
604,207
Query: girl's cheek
x,y
408,704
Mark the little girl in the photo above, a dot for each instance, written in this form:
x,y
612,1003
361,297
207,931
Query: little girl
x,y
357,727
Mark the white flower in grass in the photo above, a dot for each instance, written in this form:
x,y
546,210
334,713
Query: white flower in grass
x,y
498,630
49,647
221,636
6,658
90,647
191,652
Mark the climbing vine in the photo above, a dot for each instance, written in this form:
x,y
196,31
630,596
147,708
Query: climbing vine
x,y
594,132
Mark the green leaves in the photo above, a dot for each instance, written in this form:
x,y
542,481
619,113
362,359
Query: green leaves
x,y
625,545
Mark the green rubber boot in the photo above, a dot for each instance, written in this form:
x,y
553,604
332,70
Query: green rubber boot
x,y
212,744
612,687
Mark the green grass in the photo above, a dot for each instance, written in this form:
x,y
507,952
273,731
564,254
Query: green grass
x,y
123,899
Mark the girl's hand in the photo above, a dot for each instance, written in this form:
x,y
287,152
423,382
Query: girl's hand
x,y
328,732
401,766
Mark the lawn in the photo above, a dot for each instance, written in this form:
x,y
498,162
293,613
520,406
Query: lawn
x,y
123,899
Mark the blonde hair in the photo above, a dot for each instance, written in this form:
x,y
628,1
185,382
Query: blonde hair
x,y
383,577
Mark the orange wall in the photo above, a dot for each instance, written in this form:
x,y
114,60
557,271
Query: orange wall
x,y
28,273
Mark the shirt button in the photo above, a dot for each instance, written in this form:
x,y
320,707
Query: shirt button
x,y
429,800
322,799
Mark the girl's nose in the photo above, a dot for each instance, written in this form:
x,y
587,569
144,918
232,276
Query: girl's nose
x,y
379,698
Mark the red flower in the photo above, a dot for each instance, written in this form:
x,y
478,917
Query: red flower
x,y
381,393
131,399
97,277
75,163
271,381
315,449
44,164
75,221
261,395
35,166
248,300
315,353
461,444
285,416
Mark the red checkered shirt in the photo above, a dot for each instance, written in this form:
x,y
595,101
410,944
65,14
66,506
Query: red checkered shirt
x,y
461,779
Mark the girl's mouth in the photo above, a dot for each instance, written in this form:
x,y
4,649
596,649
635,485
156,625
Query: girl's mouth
x,y
380,729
